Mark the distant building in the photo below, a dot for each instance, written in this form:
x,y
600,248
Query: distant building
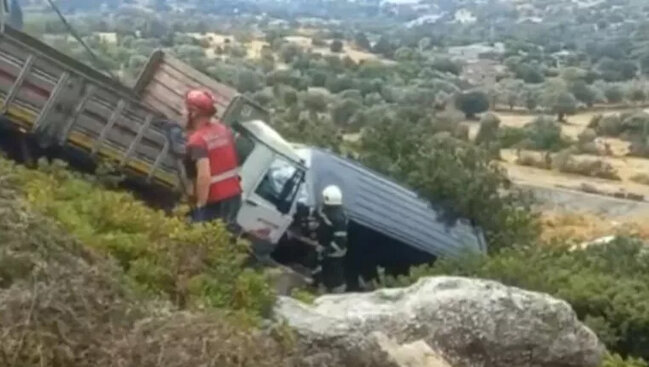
x,y
472,52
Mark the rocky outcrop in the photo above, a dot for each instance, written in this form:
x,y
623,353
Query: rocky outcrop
x,y
467,322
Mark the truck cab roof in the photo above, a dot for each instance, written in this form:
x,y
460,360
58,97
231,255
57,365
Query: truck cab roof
x,y
265,134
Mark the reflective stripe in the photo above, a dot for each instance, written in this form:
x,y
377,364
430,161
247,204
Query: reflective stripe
x,y
337,254
224,176
340,234
325,218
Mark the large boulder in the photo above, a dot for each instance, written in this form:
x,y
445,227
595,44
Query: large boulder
x,y
467,322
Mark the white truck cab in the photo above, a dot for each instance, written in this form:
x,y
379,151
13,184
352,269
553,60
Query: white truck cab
x,y
271,175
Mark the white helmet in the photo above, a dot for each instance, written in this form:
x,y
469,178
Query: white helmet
x,y
332,195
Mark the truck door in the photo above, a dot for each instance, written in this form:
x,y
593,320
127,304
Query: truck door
x,y
267,207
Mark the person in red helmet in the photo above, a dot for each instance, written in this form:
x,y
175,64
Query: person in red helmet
x,y
211,161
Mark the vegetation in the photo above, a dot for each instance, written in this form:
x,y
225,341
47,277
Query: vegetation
x,y
605,284
472,103
192,266
455,175
398,97
64,304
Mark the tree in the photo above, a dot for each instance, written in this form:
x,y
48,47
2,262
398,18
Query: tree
x,y
361,41
637,95
564,104
315,101
336,46
456,176
384,47
558,99
248,81
529,74
342,112
318,78
373,99
290,97
289,51
617,70
531,98
446,65
583,92
472,103
424,44
614,94
488,132
510,90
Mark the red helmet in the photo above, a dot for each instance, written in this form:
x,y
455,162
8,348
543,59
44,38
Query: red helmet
x,y
202,101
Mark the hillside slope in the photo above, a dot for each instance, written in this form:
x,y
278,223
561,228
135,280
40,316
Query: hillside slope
x,y
64,304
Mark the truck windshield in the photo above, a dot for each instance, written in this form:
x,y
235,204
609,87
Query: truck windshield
x,y
280,184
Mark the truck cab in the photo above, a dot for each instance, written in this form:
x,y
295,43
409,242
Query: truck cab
x,y
271,176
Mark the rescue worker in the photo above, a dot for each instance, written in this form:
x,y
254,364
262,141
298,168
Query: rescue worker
x,y
331,234
211,161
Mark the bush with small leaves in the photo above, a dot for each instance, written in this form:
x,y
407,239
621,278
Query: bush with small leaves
x,y
586,142
609,125
162,255
489,124
532,160
566,163
510,136
635,124
587,136
544,133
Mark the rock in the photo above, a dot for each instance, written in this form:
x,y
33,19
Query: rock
x,y
416,354
467,322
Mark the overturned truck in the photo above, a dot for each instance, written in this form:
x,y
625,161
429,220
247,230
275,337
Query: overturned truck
x,y
390,226
51,104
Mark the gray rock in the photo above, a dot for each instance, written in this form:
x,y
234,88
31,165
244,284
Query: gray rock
x,y
467,322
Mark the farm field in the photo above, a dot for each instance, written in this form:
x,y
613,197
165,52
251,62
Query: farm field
x,y
626,166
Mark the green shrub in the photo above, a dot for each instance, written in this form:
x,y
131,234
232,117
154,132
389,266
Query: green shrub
x,y
565,162
489,124
636,123
544,133
510,136
456,175
607,285
610,125
615,360
199,265
530,160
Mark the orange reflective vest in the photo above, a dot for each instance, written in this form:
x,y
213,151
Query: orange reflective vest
x,y
216,141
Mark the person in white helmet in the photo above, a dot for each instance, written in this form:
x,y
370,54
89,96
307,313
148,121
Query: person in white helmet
x,y
331,234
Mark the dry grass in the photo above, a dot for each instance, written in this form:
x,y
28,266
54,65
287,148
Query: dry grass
x,y
587,227
641,178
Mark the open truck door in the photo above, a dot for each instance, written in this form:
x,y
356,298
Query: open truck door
x,y
271,176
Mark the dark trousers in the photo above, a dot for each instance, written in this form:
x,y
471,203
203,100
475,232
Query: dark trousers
x,y
330,272
225,210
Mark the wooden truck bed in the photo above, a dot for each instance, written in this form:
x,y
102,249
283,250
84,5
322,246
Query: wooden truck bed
x,y
165,80
62,101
